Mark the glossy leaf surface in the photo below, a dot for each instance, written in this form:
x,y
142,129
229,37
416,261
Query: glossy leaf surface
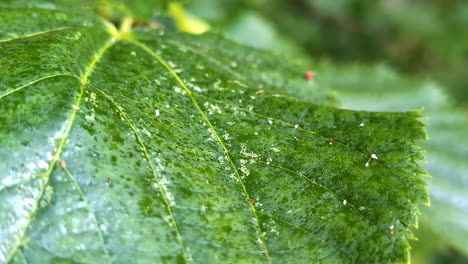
x,y
148,147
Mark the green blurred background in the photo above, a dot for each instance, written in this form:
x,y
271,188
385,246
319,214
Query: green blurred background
x,y
377,55
427,38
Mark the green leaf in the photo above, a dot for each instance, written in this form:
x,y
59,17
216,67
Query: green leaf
x,y
382,89
141,10
151,147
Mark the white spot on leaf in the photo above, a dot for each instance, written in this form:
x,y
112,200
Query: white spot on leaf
x,y
43,165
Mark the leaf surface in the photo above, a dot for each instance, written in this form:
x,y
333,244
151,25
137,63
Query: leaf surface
x,y
141,10
382,89
152,147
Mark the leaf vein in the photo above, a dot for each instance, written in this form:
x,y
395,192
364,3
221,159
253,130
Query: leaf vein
x,y
208,58
153,171
60,148
36,81
238,76
306,231
33,34
91,210
292,125
312,182
226,152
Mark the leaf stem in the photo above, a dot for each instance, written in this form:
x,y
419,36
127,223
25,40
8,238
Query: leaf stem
x,y
126,25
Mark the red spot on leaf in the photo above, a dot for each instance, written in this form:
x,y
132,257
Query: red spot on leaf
x,y
309,75
252,201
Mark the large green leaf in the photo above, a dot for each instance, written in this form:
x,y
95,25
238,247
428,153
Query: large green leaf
x,y
381,89
149,147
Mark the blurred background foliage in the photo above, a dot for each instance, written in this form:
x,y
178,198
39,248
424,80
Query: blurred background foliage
x,y
427,38
377,55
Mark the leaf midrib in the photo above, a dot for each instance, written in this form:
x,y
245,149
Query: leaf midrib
x,y
209,58
254,211
225,150
192,95
315,133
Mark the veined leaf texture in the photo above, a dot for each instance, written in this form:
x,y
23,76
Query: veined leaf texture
x,y
150,147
